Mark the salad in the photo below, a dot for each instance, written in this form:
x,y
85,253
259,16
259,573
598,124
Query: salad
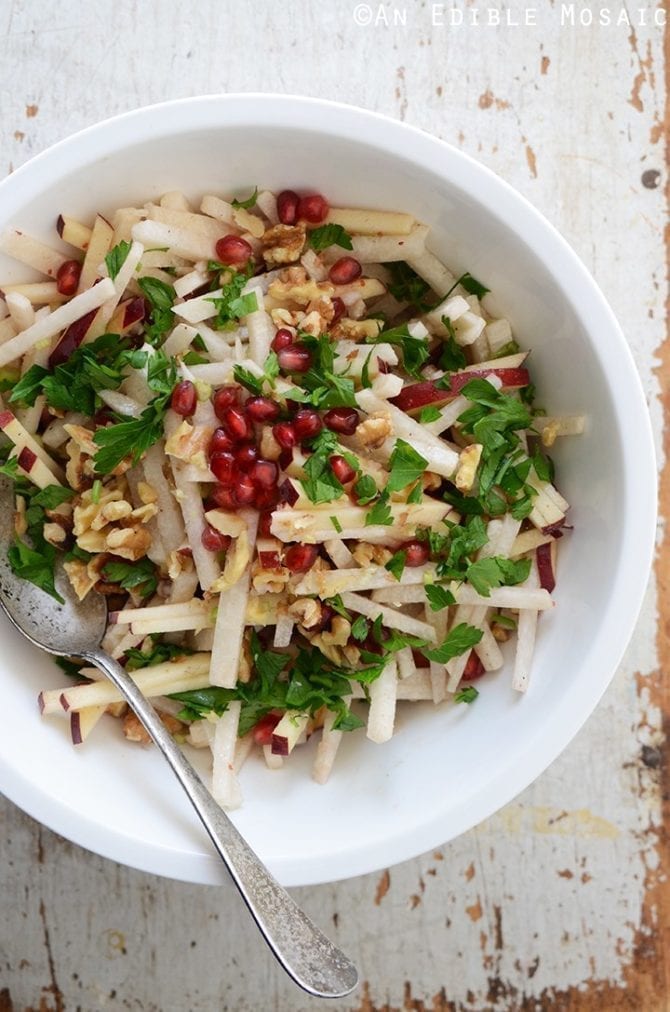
x,y
295,452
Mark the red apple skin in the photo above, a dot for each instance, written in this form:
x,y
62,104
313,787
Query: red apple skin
x,y
75,728
545,568
279,745
133,312
27,459
71,339
473,668
6,418
419,395
269,560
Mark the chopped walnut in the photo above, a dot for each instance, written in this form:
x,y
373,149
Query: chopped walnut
x,y
355,330
293,275
117,709
352,654
147,493
366,554
135,731
54,534
306,611
268,581
80,580
20,523
374,430
116,510
430,481
550,433
468,462
301,294
323,306
313,323
144,513
339,632
285,318
189,443
499,634
128,542
283,244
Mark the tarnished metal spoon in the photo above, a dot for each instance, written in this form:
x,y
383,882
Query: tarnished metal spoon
x,y
75,629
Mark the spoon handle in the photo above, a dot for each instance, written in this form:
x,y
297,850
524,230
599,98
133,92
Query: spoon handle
x,y
313,962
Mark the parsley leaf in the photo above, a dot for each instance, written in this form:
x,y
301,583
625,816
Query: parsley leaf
x,y
116,258
396,564
429,414
365,490
438,597
407,286
461,638
467,694
33,566
452,357
329,235
140,575
336,524
359,628
414,349
471,285
406,466
487,574
380,513
161,297
249,202
321,485
231,304
158,653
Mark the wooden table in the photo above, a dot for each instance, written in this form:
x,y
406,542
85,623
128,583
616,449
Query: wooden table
x,y
560,900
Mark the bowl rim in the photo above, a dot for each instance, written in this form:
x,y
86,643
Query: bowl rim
x,y
579,289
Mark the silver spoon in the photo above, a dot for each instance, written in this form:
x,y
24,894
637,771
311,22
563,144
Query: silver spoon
x,y
75,629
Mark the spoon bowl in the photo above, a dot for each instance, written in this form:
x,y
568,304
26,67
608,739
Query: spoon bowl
x,y
75,628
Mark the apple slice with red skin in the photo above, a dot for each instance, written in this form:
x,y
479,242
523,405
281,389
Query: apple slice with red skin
x,y
545,565
419,395
71,339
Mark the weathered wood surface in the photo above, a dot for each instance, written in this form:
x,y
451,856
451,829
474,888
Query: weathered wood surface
x,y
560,901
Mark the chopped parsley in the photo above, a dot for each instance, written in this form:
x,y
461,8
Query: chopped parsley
x,y
471,285
380,514
231,305
158,653
116,258
487,574
467,694
161,297
429,414
248,203
329,235
320,484
34,560
438,597
461,638
414,350
407,286
365,490
141,576
406,466
396,564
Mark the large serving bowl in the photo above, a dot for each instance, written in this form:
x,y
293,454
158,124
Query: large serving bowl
x,y
449,767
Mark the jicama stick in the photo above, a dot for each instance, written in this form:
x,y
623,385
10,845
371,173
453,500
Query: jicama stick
x,y
332,582
159,680
24,441
359,221
432,270
199,224
339,553
73,232
61,318
383,695
31,252
387,248
260,326
414,688
190,283
390,618
488,650
185,243
440,458
312,526
99,245
399,595
225,785
20,309
283,631
327,747
169,519
231,618
287,732
406,664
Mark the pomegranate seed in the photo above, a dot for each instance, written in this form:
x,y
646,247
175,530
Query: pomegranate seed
x,y
184,398
220,442
222,466
264,473
416,552
300,558
213,540
244,491
246,456
263,730
306,424
284,433
223,498
266,498
236,424
339,307
343,471
294,359
313,208
225,397
285,459
233,250
287,207
262,409
282,339
342,420
264,524
473,668
67,277
345,270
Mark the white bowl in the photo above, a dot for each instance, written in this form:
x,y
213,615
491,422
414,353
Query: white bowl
x,y
446,768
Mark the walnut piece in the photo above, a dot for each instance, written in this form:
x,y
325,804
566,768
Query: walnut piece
x,y
283,244
134,730
366,554
374,430
128,542
306,611
468,462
